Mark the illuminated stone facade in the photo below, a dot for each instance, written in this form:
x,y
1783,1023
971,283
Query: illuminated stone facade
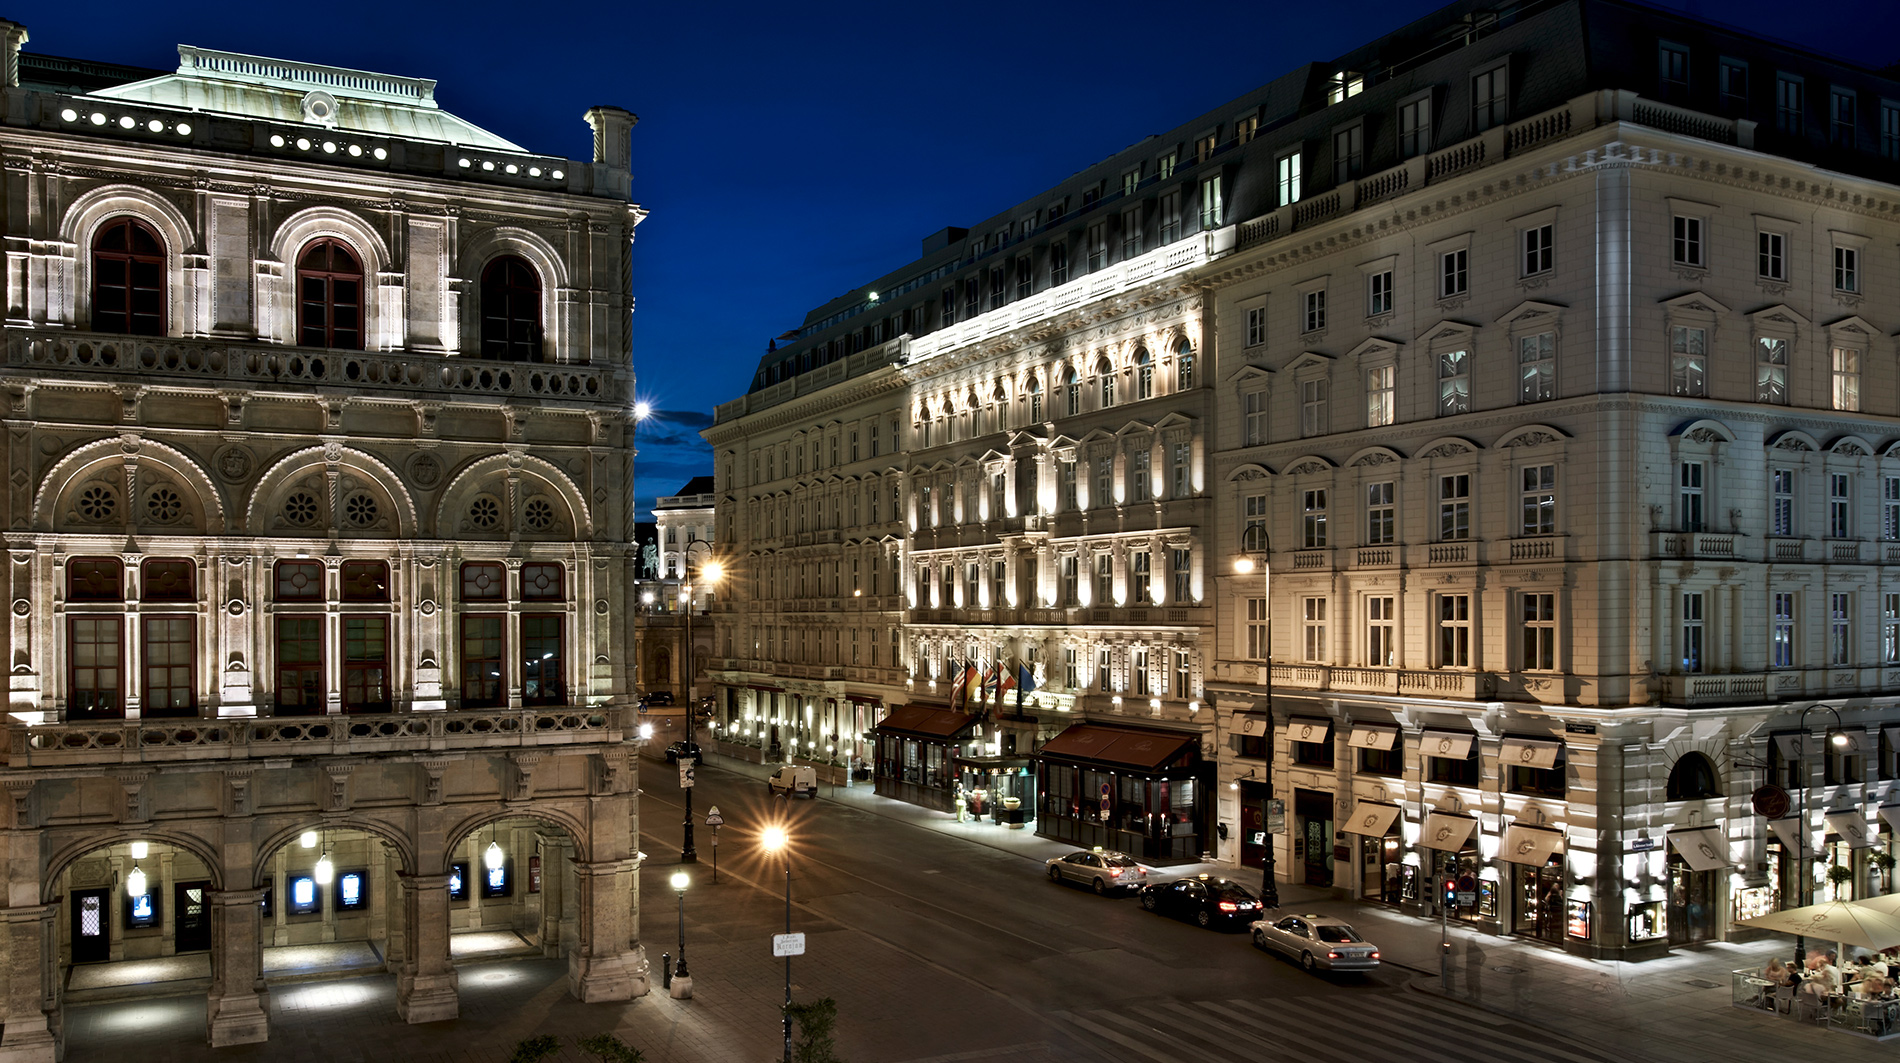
x,y
318,429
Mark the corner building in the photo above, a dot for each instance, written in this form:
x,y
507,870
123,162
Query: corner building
x,y
1539,371
318,423
1562,403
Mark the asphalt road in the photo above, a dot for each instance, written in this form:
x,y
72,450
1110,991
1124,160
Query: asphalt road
x,y
937,948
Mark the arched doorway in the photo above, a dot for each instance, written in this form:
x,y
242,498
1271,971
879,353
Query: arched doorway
x,y
134,912
513,891
330,904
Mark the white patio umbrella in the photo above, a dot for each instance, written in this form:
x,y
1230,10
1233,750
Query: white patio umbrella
x,y
1848,922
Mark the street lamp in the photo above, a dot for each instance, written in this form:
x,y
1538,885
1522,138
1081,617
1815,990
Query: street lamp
x,y
1804,860
682,982
775,840
1244,565
711,571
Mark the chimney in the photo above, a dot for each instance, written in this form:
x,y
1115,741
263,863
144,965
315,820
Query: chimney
x,y
15,35
613,140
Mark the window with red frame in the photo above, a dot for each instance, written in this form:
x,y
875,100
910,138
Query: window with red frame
x,y
300,665
365,581
96,656
169,651
128,279
299,581
542,583
95,579
166,581
484,581
542,661
329,296
482,662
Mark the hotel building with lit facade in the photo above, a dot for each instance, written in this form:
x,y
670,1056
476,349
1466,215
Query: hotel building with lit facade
x,y
1539,361
319,438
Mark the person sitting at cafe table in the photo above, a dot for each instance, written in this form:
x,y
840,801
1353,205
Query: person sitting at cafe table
x,y
1872,987
1822,978
1777,973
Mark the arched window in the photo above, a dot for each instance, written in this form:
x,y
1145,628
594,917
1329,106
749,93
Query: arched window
x,y
1072,386
329,296
511,310
1034,389
1107,374
1183,366
128,279
1144,375
1692,779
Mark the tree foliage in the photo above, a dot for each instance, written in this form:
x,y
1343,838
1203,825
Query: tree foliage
x,y
815,1020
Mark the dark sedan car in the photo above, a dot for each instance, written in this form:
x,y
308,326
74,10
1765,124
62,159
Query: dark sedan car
x,y
1205,900
682,748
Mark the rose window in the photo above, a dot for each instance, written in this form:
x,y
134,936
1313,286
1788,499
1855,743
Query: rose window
x,y
539,515
98,503
300,508
164,504
484,513
360,509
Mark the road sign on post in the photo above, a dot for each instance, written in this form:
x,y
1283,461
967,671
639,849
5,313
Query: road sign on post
x,y
686,773
713,818
788,944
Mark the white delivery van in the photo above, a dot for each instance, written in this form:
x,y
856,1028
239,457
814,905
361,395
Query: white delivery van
x,y
793,780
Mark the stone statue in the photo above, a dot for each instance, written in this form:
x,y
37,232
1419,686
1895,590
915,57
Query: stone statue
x,y
650,561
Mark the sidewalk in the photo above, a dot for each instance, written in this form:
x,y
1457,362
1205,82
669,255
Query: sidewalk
x,y
1673,1009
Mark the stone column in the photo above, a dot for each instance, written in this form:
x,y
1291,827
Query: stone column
x,y
391,897
425,983
30,994
606,964
235,1010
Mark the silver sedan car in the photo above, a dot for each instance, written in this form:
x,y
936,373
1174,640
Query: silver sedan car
x,y
1318,942
1099,869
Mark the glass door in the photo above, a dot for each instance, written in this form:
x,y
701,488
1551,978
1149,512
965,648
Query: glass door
x,y
1540,901
1691,903
92,926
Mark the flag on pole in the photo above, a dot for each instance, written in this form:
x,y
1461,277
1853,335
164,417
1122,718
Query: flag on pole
x,y
953,675
1025,681
971,679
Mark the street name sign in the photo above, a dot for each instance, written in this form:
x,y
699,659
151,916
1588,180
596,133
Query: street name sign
x,y
788,944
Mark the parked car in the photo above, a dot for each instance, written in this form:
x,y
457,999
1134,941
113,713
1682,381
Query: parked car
x,y
1099,869
792,780
656,699
1205,900
685,747
1318,942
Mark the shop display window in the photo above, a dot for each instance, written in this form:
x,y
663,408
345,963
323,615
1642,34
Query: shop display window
x,y
1754,901
1649,921
1577,919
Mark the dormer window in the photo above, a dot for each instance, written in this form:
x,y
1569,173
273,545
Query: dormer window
x,y
1344,85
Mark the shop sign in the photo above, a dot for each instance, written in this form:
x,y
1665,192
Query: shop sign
x,y
1771,802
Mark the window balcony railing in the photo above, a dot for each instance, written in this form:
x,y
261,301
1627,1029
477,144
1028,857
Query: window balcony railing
x,y
149,741
1693,544
221,362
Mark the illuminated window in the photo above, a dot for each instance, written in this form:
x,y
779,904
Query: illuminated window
x,y
303,895
511,310
352,891
128,279
141,912
329,296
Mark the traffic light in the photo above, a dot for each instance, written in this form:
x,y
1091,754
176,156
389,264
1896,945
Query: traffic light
x,y
1450,889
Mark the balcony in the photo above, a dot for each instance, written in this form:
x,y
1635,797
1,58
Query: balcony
x,y
1435,683
223,363
173,741
1537,548
1711,545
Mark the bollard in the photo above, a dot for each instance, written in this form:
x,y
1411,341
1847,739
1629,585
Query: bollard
x,y
666,971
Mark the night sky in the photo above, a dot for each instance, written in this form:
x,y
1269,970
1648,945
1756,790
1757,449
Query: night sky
x,y
791,152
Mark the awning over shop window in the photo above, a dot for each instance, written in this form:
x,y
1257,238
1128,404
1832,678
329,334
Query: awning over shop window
x,y
1250,724
1525,844
1530,753
1852,827
1372,736
1309,729
924,721
1789,744
1788,831
1371,818
1452,745
1446,831
1893,736
1705,848
1891,813
866,699
1116,745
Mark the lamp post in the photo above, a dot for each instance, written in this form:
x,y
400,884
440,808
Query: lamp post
x,y
775,840
1244,565
711,572
1804,860
682,982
